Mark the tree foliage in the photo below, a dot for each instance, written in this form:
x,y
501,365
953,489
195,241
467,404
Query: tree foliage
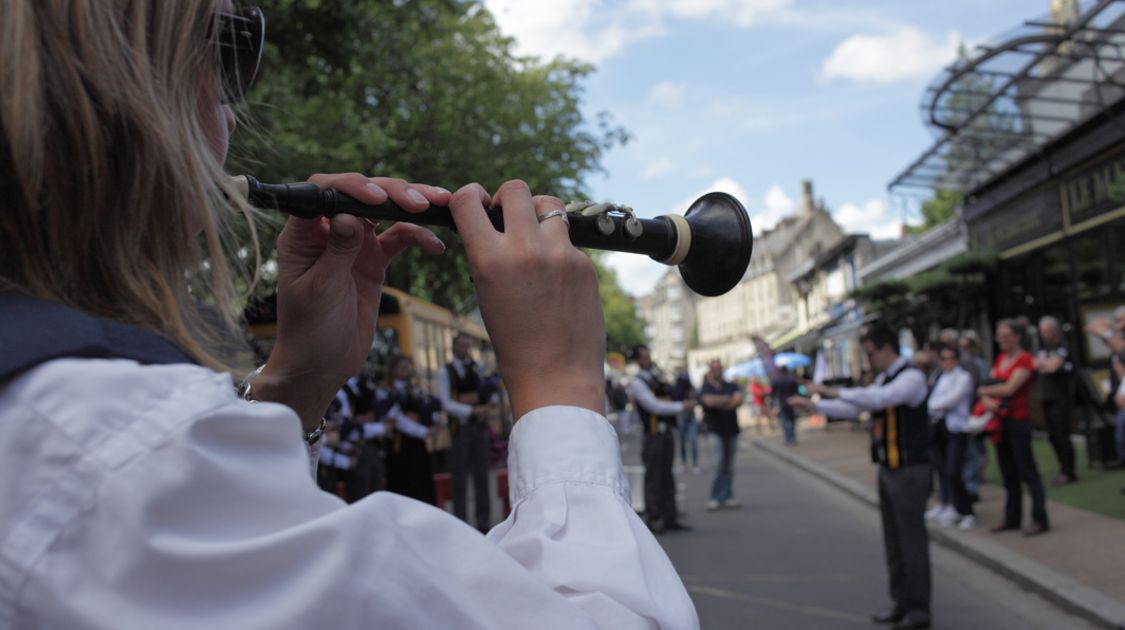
x,y
937,211
427,90
623,327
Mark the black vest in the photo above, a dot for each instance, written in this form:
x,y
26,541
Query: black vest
x,y
900,436
470,384
35,331
660,389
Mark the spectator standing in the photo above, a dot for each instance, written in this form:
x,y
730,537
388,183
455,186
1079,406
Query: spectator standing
x,y
1112,333
1015,371
900,445
1055,369
687,425
720,400
978,369
784,387
949,404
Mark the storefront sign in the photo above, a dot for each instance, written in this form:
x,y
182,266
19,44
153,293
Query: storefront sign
x,y
1095,190
1032,216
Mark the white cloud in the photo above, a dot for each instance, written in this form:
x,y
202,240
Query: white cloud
x,y
744,13
594,30
668,94
873,218
906,53
656,168
778,205
637,275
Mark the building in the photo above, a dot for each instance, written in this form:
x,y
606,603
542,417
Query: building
x,y
670,322
764,303
824,286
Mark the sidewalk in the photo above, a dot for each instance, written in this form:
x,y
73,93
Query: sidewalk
x,y
1079,564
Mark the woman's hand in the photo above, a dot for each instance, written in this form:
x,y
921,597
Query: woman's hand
x,y
330,278
539,299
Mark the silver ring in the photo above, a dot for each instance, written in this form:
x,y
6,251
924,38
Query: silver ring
x,y
558,212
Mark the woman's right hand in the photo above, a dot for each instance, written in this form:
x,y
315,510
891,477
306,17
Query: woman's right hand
x,y
538,296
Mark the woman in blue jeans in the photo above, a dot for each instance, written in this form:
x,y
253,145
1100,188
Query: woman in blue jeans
x,y
720,400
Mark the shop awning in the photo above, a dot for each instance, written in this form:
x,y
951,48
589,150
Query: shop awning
x,y
1003,102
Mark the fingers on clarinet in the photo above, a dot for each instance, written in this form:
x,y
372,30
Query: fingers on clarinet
x,y
436,195
352,184
401,236
519,212
467,207
403,193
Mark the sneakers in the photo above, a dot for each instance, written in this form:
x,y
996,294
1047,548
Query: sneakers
x,y
948,516
713,505
967,523
934,512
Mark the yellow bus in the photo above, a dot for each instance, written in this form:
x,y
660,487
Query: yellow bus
x,y
424,332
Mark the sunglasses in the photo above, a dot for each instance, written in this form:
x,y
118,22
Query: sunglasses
x,y
240,37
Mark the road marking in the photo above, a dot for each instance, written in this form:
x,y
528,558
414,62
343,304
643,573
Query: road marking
x,y
812,611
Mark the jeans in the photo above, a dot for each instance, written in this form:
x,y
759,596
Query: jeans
x,y
788,425
1119,435
939,440
722,489
688,428
956,445
973,472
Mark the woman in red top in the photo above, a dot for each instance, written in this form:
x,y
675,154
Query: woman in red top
x,y
1009,399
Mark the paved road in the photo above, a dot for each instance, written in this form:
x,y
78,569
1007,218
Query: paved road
x,y
800,554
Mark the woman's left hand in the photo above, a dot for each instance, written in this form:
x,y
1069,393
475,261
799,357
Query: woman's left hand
x,y
330,279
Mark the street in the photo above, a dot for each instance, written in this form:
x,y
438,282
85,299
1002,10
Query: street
x,y
800,554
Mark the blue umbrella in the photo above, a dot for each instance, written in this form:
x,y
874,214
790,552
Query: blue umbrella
x,y
791,360
747,369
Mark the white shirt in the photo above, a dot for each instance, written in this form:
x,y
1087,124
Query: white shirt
x,y
952,398
648,401
909,388
153,497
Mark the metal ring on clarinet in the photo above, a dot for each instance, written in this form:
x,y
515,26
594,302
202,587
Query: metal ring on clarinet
x,y
711,244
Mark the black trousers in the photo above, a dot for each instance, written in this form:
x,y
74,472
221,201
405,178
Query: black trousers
x,y
939,446
469,457
1017,465
368,474
956,448
658,454
902,505
1057,415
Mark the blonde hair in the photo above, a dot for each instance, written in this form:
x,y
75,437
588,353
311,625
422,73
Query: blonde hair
x,y
111,199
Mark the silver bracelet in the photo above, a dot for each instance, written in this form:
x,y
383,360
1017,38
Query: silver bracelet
x,y
311,438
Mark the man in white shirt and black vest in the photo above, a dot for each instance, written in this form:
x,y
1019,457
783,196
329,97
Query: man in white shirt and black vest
x,y
900,444
459,385
657,415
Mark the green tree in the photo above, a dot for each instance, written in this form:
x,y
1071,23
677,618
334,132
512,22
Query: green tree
x,y
937,211
426,90
623,327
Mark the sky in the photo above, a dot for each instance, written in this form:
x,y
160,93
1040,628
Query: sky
x,y
753,96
